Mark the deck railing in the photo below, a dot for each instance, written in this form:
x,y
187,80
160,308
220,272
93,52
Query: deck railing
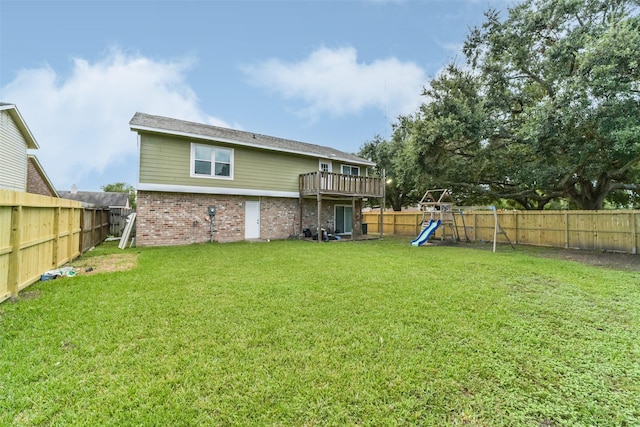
x,y
339,184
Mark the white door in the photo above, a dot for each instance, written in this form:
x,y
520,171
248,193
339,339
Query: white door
x,y
326,167
252,219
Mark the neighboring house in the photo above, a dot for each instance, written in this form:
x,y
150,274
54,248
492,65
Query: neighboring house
x,y
19,170
118,204
111,200
261,187
37,180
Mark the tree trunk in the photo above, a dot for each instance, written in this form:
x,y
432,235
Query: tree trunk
x,y
588,196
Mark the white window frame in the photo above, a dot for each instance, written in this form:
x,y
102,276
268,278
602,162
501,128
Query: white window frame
x,y
324,162
213,148
351,167
335,218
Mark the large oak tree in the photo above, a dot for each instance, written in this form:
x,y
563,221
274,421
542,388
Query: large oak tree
x,y
547,105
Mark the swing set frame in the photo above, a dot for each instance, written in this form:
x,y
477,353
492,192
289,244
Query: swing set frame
x,y
440,204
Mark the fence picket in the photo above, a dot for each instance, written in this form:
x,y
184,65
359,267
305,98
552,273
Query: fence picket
x,y
38,233
606,230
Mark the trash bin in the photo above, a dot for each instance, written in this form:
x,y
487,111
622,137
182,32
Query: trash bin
x,y
364,228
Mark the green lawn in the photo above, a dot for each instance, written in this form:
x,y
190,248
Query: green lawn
x,y
294,333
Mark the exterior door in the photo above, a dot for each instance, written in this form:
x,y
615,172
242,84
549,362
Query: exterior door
x,y
344,218
252,219
326,167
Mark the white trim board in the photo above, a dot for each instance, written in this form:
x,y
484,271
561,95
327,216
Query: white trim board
x,y
216,190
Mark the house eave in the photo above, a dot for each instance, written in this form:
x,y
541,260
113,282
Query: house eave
x,y
139,128
13,111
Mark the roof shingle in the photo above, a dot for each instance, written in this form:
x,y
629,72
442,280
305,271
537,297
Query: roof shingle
x,y
159,124
97,198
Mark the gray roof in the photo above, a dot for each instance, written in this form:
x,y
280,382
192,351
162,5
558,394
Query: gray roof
x,y
97,198
166,125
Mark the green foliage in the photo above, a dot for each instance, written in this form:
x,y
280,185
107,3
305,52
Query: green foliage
x,y
238,334
402,180
547,109
122,187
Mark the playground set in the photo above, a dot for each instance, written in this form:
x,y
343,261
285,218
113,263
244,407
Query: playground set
x,y
439,211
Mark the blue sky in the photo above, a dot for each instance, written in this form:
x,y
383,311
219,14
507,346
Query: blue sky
x,y
334,73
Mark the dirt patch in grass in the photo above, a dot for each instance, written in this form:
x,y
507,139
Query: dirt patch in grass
x,y
25,295
604,259
612,260
105,263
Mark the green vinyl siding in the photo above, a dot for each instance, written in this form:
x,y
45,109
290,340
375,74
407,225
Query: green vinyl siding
x,y
166,160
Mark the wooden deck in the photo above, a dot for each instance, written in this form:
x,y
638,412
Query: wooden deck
x,y
335,184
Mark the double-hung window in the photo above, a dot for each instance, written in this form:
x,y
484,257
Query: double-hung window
x,y
211,161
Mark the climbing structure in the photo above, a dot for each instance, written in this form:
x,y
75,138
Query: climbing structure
x,y
438,205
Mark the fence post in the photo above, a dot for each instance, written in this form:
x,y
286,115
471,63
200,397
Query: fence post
x,y
476,235
82,231
596,238
566,229
56,237
94,221
14,258
634,244
71,214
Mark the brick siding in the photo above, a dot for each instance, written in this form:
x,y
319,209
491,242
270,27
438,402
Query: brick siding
x,y
279,218
165,219
35,182
310,215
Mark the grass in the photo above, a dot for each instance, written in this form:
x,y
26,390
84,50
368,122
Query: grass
x,y
350,333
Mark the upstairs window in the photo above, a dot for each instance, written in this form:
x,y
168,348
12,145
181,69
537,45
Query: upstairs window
x,y
350,170
211,161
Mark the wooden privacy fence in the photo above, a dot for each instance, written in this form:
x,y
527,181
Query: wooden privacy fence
x,y
95,227
39,233
118,220
606,230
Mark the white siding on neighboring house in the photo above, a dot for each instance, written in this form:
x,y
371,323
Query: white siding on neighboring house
x,y
13,155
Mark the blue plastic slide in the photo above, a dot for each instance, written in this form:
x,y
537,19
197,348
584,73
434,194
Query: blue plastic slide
x,y
426,233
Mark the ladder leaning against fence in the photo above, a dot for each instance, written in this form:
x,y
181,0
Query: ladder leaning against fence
x,y
127,231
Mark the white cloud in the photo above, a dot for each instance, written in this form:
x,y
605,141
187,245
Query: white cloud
x,y
332,81
455,48
81,122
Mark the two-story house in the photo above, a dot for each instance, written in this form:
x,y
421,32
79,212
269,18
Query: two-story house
x,y
200,183
20,171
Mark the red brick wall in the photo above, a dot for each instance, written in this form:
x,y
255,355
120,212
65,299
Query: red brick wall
x,y
180,218
279,218
310,215
35,182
